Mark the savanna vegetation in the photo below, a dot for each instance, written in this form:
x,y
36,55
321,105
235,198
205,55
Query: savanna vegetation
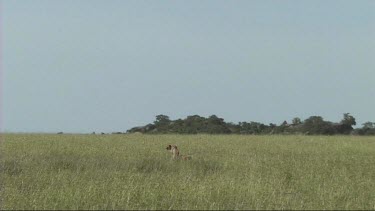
x,y
314,125
134,171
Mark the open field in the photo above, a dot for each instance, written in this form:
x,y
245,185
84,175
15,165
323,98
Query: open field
x,y
226,172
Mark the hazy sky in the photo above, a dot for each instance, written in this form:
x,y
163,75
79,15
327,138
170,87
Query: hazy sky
x,y
83,66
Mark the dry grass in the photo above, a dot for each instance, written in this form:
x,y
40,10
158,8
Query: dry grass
x,y
226,172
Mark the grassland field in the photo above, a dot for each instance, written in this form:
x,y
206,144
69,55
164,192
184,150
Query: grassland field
x,y
41,171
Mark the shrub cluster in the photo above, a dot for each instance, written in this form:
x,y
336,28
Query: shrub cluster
x,y
314,125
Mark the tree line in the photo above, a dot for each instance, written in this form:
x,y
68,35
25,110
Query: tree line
x,y
195,124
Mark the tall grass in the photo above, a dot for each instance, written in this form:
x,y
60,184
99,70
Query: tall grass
x,y
226,172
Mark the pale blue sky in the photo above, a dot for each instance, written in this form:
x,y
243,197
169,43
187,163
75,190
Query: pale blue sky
x,y
83,66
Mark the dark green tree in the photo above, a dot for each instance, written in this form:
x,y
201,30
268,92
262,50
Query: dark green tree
x,y
348,120
367,129
369,125
296,121
316,125
162,123
345,126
